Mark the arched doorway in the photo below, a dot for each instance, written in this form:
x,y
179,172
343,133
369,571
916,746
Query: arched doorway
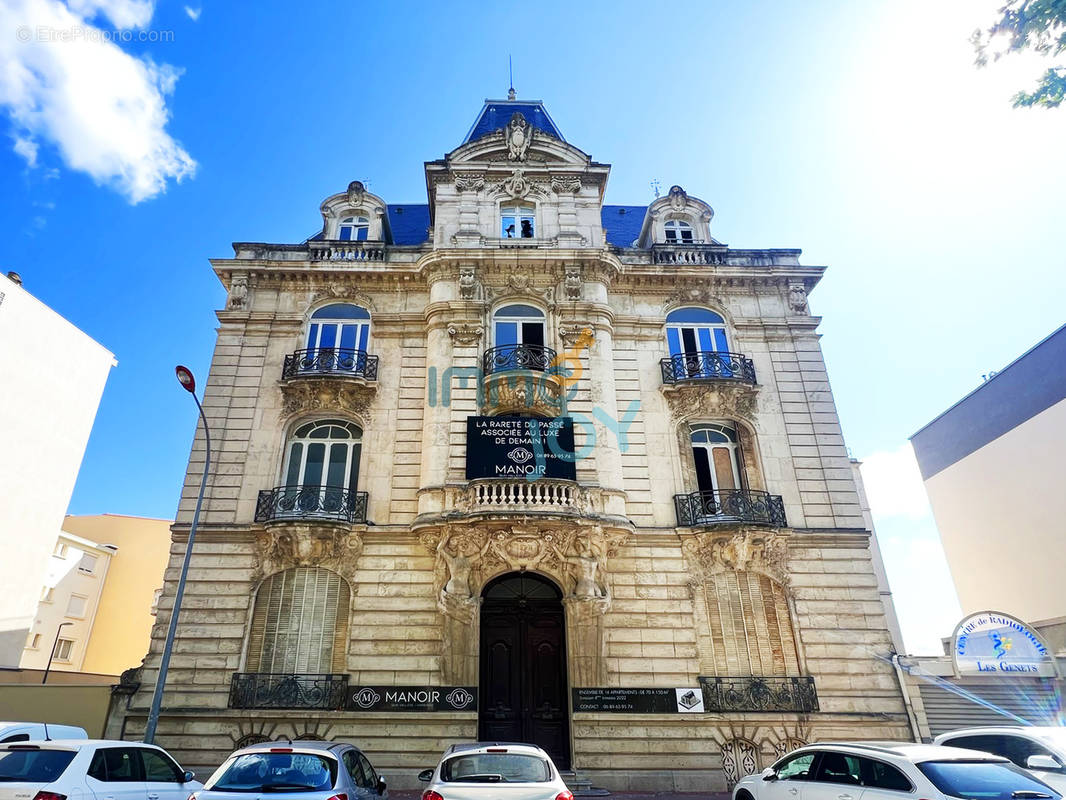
x,y
523,665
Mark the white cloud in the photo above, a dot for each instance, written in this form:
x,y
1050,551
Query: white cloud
x,y
103,109
894,484
194,13
27,148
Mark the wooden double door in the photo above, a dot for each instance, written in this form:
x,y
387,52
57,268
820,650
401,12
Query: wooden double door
x,y
523,682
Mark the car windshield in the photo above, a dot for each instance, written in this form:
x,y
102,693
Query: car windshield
x,y
34,766
1055,738
277,772
495,768
985,780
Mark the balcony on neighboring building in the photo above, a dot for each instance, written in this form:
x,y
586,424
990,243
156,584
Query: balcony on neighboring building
x,y
707,365
330,361
311,503
690,253
285,690
758,693
730,507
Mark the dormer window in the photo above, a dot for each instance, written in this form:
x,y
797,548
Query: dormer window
x,y
353,229
516,222
678,232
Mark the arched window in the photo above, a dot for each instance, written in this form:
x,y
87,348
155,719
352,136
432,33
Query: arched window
x,y
322,467
518,339
517,222
339,326
715,453
678,232
300,623
694,337
354,229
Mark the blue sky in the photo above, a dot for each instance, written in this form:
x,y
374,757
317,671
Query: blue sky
x,y
860,132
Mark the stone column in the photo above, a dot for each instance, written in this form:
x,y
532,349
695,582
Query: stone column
x,y
437,414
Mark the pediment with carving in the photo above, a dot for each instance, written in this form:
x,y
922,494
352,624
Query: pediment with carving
x,y
712,399
747,550
301,544
328,393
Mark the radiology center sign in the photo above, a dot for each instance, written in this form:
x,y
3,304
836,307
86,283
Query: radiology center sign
x,y
993,643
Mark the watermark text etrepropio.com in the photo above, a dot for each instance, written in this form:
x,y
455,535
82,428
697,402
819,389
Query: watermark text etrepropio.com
x,y
87,33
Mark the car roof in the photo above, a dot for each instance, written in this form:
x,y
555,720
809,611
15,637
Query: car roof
x,y
1023,729
467,747
912,751
80,743
299,745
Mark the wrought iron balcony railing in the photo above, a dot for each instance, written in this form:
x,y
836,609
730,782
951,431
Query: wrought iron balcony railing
x,y
757,693
730,505
311,502
285,690
330,361
686,254
707,365
535,357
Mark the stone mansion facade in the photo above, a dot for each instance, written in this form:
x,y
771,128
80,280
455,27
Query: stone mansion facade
x,y
517,465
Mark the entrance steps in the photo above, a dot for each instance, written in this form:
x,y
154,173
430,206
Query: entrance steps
x,y
581,787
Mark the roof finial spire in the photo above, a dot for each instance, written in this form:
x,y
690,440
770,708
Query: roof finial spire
x,y
510,76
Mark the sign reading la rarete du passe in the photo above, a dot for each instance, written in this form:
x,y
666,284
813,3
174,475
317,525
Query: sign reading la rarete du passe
x,y
520,447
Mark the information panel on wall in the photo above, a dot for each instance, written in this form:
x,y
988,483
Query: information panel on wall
x,y
520,447
618,700
994,643
412,698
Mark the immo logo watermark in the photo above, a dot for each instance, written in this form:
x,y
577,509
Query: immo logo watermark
x,y
539,388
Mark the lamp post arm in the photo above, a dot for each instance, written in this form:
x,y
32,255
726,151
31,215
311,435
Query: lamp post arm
x,y
168,645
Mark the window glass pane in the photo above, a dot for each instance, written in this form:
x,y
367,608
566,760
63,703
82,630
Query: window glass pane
x,y
988,780
341,311
292,477
63,648
338,461
533,333
882,776
320,431
688,340
507,227
839,768
345,233
371,776
693,315
76,605
673,339
527,227
159,768
353,478
705,339
122,765
364,333
87,563
254,772
671,234
719,341
348,333
316,454
686,234
798,768
361,233
34,766
312,336
506,333
519,311
328,336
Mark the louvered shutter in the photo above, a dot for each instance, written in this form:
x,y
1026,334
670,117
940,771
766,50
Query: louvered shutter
x,y
751,628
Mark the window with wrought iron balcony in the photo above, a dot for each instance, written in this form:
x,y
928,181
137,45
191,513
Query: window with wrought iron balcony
x,y
521,373
699,350
337,339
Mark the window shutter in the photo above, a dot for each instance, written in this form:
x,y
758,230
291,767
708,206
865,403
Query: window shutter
x,y
751,627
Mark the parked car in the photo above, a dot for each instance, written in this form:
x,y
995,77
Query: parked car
x,y
25,731
477,771
300,770
891,771
1042,751
91,769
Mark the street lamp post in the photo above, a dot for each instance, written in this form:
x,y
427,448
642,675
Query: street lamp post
x,y
185,378
52,655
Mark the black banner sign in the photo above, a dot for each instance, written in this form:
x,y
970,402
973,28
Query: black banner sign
x,y
520,447
412,698
685,700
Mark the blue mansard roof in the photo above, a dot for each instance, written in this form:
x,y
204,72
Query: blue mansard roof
x,y
622,224
497,113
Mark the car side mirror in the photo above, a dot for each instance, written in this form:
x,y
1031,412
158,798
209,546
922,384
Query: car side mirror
x,y
381,784
1042,762
188,776
425,775
768,774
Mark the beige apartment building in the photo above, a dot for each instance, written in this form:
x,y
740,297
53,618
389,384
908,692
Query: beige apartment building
x,y
514,464
97,598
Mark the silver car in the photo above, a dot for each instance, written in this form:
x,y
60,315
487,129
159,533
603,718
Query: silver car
x,y
295,771
494,771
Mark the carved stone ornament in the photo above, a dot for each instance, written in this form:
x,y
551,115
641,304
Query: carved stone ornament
x,y
469,183
519,136
332,393
517,185
238,294
519,285
356,193
566,184
574,332
465,334
299,544
572,283
723,399
468,284
333,291
678,198
696,295
797,297
711,553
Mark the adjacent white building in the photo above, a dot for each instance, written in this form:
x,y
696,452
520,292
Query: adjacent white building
x,y
53,376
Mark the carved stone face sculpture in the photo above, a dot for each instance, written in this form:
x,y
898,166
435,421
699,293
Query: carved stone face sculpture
x,y
517,138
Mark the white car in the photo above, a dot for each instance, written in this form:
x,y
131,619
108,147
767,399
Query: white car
x,y
1042,751
891,771
494,771
91,769
24,731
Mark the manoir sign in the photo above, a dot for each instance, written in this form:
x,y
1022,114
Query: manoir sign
x,y
520,447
